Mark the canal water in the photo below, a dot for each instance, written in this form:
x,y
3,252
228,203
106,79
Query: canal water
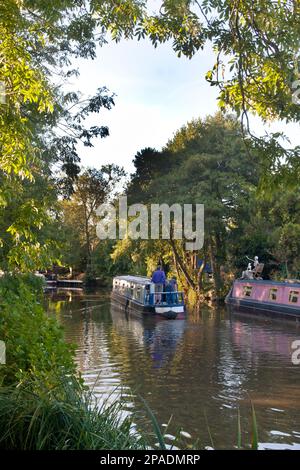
x,y
196,374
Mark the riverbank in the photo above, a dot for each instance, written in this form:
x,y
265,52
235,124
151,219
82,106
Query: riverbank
x,y
36,417
43,401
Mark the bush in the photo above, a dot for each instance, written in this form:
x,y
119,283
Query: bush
x,y
43,402
34,342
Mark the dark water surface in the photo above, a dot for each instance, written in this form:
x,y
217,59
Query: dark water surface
x,y
199,370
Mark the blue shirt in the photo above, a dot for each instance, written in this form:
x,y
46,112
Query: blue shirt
x,y
173,284
158,277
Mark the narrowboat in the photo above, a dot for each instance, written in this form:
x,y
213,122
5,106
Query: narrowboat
x,y
137,294
273,298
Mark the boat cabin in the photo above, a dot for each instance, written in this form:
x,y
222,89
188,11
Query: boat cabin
x,y
142,290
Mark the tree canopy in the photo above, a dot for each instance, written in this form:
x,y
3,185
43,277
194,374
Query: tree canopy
x,y
207,161
256,69
40,122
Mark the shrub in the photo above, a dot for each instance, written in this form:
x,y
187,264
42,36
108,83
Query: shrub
x,y
34,342
43,402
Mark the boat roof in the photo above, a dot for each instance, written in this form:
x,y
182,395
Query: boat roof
x,y
136,279
286,283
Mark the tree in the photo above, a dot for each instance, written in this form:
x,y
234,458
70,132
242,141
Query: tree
x,y
148,163
206,161
93,187
29,225
215,172
40,124
256,67
284,218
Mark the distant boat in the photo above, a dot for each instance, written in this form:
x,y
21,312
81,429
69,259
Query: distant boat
x,y
136,294
274,298
73,284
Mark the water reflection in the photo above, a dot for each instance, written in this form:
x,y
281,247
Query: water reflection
x,y
200,370
157,337
263,337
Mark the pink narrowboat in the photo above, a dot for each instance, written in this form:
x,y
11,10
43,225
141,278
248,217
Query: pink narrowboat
x,y
275,298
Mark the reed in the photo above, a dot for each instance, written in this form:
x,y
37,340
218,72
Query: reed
x,y
254,429
66,417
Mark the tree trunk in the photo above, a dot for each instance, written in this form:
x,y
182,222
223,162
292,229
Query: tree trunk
x,y
88,242
287,270
214,251
179,262
200,276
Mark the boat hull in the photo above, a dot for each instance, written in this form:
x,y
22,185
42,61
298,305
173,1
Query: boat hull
x,y
130,305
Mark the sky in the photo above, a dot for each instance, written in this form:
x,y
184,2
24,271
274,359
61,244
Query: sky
x,y
156,94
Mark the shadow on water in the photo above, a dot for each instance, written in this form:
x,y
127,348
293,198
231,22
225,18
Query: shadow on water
x,y
200,370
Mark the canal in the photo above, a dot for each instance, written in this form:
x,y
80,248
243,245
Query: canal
x,y
199,371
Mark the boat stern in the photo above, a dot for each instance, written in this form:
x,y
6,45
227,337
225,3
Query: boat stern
x,y
169,312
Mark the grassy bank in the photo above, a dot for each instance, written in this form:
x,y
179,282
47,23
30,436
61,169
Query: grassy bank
x,y
33,417
43,402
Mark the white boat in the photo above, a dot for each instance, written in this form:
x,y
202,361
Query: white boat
x,y
137,294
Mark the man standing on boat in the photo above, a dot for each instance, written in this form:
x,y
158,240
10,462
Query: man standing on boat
x,y
158,279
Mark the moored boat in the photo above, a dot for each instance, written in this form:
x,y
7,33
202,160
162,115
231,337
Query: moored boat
x,y
137,294
71,284
274,298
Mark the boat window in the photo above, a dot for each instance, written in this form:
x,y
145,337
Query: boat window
x,y
247,291
139,294
273,294
293,297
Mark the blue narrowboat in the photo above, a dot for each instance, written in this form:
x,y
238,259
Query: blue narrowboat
x,y
137,294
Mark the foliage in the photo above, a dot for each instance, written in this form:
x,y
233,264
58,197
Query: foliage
x,y
66,417
256,44
29,225
207,162
256,66
34,342
149,163
93,187
104,267
40,122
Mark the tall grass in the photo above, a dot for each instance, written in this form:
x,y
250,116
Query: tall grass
x,y
254,429
63,418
